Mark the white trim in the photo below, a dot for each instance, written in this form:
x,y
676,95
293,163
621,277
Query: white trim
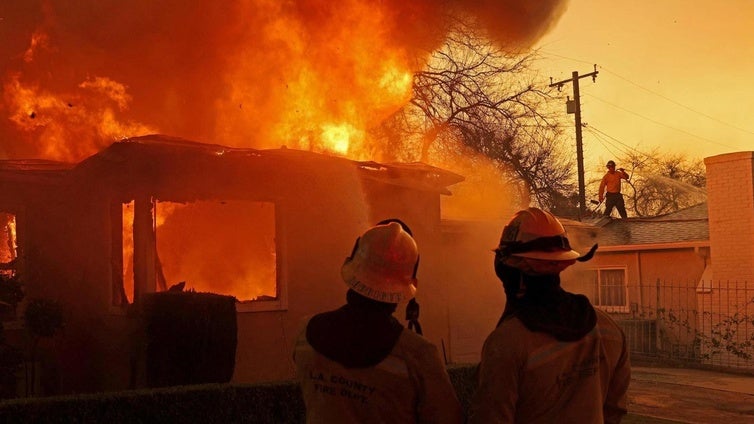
x,y
613,308
281,255
654,246
705,282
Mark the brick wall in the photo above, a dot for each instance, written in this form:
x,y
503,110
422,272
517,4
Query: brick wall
x,y
730,199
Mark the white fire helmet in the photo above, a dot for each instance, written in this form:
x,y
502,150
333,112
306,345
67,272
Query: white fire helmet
x,y
382,266
536,234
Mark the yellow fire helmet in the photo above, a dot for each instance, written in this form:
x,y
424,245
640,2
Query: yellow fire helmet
x,y
537,234
382,264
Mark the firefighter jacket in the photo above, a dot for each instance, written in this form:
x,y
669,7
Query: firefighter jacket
x,y
530,376
408,384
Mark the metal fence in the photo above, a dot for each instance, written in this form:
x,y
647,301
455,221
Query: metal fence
x,y
706,324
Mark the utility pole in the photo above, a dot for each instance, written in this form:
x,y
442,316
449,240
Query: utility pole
x,y
574,106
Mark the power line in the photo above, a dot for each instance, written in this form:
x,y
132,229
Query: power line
x,y
628,148
649,157
662,124
600,136
677,103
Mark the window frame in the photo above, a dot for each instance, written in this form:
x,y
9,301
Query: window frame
x,y
280,303
610,308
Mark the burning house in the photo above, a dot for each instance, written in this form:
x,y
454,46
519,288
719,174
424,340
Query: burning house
x,y
97,227
269,227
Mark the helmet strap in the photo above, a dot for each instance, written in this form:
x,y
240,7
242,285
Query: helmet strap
x,y
412,316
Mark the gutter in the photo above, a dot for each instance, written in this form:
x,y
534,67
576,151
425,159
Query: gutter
x,y
654,246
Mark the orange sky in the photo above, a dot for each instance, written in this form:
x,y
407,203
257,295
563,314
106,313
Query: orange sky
x,y
674,74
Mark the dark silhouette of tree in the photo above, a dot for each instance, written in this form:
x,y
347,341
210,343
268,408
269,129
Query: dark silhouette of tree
x,y
474,95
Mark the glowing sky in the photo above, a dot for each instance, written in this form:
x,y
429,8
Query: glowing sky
x,y
674,74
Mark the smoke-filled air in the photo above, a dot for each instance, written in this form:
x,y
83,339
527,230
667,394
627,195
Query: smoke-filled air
x,y
309,74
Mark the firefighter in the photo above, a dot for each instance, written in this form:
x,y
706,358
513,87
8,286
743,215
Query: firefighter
x,y
609,190
358,364
553,357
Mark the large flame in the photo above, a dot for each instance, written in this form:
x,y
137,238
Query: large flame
x,y
312,74
57,120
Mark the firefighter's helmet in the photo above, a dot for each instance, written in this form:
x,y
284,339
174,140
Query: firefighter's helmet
x,y
383,263
536,234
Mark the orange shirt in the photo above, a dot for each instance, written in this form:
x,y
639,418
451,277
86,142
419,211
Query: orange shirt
x,y
611,182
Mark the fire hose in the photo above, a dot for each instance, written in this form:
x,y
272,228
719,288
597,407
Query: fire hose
x,y
598,203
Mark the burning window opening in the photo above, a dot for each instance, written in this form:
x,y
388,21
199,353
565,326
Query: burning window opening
x,y
125,290
227,248
8,243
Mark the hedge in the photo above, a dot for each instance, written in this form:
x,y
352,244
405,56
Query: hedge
x,y
177,323
278,402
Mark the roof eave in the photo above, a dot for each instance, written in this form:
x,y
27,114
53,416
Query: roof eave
x,y
654,246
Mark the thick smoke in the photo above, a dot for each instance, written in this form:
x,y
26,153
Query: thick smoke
x,y
77,76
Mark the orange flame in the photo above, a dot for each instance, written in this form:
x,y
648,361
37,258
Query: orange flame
x,y
87,116
253,73
310,74
8,246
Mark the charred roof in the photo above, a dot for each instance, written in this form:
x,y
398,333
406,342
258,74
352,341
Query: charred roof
x,y
169,167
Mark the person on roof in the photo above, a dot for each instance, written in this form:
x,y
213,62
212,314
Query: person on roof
x,y
610,190
553,358
358,364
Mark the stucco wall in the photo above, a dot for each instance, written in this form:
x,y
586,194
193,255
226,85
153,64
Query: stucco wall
x,y
475,297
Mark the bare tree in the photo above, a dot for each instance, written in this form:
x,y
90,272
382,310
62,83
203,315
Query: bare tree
x,y
475,93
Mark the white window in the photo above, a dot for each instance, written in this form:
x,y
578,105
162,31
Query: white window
x,y
224,247
607,289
